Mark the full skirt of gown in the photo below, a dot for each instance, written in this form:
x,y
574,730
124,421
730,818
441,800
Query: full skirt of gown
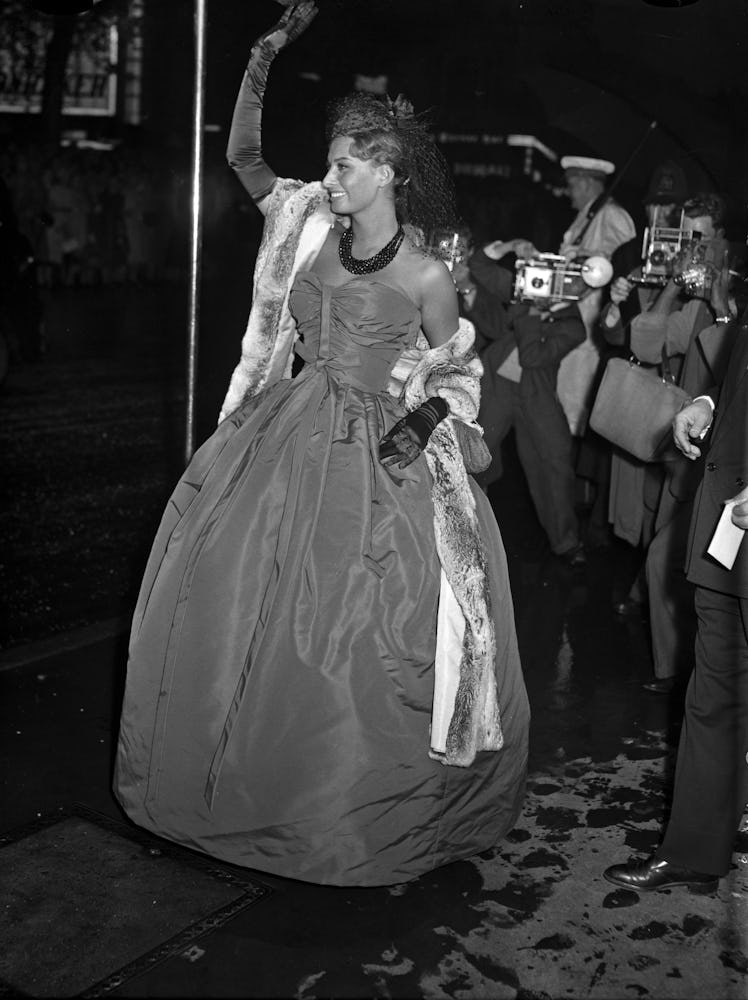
x,y
281,667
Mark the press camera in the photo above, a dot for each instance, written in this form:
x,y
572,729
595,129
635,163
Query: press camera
x,y
550,278
697,265
661,244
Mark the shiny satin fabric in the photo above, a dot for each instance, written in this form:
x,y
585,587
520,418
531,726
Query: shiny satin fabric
x,y
280,679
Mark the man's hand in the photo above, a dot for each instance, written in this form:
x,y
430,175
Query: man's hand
x,y
740,510
620,290
500,248
461,274
691,422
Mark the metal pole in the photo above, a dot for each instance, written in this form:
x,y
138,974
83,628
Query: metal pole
x,y
196,227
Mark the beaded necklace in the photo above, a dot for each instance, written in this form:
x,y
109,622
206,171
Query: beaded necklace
x,y
368,264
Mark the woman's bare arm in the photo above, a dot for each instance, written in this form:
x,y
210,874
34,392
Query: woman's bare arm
x,y
440,314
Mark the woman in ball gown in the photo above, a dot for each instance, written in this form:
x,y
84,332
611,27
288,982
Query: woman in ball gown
x,y
323,680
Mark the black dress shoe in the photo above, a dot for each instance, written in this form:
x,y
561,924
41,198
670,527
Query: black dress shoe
x,y
663,685
655,873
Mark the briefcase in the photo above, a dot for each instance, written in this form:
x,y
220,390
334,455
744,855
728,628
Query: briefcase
x,y
634,408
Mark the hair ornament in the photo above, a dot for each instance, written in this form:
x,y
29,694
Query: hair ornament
x,y
401,110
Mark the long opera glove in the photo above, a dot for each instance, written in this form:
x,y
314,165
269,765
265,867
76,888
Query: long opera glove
x,y
244,150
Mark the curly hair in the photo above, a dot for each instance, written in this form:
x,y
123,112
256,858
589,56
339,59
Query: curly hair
x,y
388,131
707,203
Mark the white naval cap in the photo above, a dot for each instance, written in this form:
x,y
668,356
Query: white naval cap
x,y
589,164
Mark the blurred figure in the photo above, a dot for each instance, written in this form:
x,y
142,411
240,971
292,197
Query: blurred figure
x,y
20,303
58,211
135,197
601,226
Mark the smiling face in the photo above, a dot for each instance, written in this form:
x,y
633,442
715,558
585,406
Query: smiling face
x,y
353,184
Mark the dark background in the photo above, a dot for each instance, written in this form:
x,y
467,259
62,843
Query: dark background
x,y
92,437
582,75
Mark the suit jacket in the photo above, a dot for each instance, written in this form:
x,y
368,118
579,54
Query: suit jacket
x,y
725,474
494,335
706,364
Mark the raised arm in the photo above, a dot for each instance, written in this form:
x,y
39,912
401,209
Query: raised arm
x,y
244,150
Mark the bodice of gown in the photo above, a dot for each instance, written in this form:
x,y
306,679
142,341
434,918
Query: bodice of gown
x,y
356,331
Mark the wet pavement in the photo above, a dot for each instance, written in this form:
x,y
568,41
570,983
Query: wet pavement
x,y
93,445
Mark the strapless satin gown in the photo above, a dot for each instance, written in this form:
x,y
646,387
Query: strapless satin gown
x,y
280,679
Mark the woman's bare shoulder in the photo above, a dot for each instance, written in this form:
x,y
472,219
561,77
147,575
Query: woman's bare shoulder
x,y
425,270
430,285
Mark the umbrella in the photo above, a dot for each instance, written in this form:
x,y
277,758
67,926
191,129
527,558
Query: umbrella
x,y
601,123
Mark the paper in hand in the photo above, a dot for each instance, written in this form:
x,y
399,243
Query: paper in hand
x,y
726,538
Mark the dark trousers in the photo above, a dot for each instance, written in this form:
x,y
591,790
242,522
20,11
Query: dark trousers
x,y
711,776
544,448
671,614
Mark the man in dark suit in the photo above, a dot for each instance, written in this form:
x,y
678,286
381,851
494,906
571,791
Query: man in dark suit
x,y
521,345
711,777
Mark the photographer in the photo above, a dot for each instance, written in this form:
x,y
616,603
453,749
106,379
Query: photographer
x,y
696,334
628,490
663,204
521,346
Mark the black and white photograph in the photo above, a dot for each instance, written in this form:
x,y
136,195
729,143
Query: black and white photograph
x,y
373,484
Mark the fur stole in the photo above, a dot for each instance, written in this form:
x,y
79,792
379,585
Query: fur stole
x,y
453,372
297,223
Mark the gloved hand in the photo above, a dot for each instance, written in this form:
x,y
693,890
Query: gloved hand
x,y
295,19
404,442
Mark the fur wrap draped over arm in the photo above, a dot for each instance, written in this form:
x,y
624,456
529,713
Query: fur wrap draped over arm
x,y
297,223
453,371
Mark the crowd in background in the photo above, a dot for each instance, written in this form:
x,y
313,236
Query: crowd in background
x,y
95,216
101,216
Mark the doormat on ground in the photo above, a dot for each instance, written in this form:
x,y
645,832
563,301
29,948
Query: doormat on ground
x,y
90,903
